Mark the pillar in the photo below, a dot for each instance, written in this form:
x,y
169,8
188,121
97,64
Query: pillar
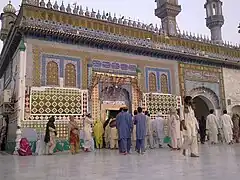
x,y
21,92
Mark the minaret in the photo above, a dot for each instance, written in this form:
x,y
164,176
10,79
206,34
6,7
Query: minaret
x,y
8,18
167,11
215,19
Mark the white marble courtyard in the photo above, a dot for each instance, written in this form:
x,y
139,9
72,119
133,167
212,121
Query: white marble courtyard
x,y
220,162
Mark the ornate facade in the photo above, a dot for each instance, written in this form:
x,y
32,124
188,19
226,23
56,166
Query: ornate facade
x,y
66,61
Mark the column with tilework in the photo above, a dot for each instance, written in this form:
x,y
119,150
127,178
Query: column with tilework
x,y
85,73
21,93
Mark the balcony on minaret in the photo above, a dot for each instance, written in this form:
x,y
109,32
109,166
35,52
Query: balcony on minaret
x,y
167,11
214,19
214,13
167,8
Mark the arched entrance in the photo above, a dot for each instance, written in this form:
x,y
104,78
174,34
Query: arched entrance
x,y
236,109
202,106
204,100
112,99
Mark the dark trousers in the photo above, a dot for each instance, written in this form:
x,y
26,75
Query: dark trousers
x,y
124,145
140,145
202,135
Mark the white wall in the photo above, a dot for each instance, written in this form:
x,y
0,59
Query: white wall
x,y
231,79
13,85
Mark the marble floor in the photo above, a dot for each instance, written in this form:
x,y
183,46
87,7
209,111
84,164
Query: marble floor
x,y
215,163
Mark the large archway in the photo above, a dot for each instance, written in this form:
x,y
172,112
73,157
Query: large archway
x,y
236,109
113,98
205,99
202,106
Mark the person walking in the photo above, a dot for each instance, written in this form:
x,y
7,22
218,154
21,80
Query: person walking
x,y
124,126
212,127
141,126
227,126
190,128
50,136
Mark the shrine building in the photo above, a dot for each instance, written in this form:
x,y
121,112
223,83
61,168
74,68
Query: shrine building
x,y
59,60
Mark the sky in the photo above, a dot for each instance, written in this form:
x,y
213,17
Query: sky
x,y
191,19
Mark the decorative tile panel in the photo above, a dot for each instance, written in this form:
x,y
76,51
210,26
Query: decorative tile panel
x,y
158,102
58,101
201,75
116,67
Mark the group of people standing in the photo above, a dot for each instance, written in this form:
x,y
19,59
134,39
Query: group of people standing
x,y
139,131
74,135
221,129
133,132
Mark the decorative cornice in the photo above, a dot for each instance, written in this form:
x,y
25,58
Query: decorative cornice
x,y
61,29
105,43
128,28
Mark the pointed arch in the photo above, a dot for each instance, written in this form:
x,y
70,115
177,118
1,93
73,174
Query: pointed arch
x,y
70,75
52,73
152,80
164,83
214,9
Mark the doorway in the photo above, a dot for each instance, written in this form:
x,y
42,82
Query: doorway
x,y
112,113
201,107
236,109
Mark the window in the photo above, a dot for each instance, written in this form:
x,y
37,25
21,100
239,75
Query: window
x,y
164,83
214,9
70,75
52,73
152,82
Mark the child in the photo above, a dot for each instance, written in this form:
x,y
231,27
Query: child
x,y
25,148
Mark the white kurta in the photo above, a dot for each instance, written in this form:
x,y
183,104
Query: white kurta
x,y
149,126
190,135
212,127
158,127
158,131
88,133
227,126
40,145
149,130
190,122
173,130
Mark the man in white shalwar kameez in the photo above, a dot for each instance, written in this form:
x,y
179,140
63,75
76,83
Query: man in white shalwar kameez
x,y
174,129
88,133
227,126
212,126
149,131
190,128
158,129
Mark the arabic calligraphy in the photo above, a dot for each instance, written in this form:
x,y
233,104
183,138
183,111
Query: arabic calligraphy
x,y
201,75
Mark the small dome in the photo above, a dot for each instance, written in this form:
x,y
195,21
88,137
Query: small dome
x,y
9,8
